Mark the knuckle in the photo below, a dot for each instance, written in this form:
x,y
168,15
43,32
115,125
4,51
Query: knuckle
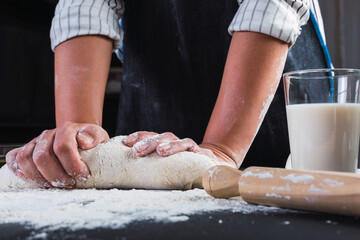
x,y
144,134
21,156
21,162
42,135
140,133
61,147
44,132
90,128
12,163
9,160
134,135
10,156
168,135
40,157
189,141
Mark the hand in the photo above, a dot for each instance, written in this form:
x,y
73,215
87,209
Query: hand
x,y
166,144
52,159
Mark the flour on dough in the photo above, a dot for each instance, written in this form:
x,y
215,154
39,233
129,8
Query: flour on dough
x,y
112,165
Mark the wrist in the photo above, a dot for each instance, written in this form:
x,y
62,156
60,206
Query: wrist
x,y
220,154
84,118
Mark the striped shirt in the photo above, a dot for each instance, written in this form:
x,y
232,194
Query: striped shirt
x,y
281,19
87,17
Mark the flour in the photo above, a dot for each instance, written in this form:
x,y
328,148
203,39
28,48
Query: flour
x,y
305,179
90,208
314,189
272,195
333,183
281,189
266,106
258,175
213,170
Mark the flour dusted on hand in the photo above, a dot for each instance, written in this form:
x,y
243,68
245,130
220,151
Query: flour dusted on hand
x,y
113,165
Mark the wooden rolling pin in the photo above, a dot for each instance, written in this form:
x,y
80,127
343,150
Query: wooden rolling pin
x,y
320,191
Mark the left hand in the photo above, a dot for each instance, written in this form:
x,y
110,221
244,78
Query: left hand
x,y
165,144
143,143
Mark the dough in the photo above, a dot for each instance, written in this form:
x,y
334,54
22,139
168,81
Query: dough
x,y
112,165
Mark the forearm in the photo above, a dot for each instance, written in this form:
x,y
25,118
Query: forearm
x,y
253,68
81,70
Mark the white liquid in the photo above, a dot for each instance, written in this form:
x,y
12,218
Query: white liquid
x,y
324,136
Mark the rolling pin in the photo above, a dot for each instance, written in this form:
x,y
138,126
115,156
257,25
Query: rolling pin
x,y
320,191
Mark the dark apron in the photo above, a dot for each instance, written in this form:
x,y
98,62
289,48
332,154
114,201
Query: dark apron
x,y
174,57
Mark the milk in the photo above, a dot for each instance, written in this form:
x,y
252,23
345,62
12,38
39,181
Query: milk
x,y
324,136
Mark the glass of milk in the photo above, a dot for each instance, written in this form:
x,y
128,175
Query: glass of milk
x,y
323,115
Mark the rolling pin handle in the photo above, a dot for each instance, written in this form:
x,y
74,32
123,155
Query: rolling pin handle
x,y
222,182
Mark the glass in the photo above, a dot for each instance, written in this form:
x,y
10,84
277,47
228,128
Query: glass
x,y
323,115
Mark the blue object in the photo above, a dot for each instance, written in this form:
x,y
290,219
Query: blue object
x,y
325,51
120,51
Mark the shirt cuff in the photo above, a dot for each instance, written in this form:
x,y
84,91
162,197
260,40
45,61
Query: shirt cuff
x,y
87,17
280,19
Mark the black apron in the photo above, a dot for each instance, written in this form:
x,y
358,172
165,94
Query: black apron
x,y
174,57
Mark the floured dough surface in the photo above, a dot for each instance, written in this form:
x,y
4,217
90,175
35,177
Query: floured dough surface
x,y
112,165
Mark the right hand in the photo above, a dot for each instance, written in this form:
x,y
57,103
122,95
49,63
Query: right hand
x,y
52,159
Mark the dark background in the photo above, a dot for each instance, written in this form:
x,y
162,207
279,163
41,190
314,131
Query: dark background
x,y
27,69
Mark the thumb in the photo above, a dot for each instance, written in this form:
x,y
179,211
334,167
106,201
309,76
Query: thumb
x,y
90,136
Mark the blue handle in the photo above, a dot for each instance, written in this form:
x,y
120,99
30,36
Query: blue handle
x,y
325,51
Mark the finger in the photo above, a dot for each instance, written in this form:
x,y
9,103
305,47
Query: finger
x,y
133,138
170,148
47,163
12,164
148,145
27,166
66,150
90,136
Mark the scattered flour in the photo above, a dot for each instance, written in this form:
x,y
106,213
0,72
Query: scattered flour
x,y
91,208
305,179
314,189
272,195
333,183
287,197
282,189
258,175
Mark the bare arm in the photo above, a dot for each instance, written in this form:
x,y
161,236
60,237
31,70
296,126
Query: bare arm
x,y
253,68
81,70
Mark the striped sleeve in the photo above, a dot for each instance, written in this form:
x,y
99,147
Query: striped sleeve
x,y
87,17
281,19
